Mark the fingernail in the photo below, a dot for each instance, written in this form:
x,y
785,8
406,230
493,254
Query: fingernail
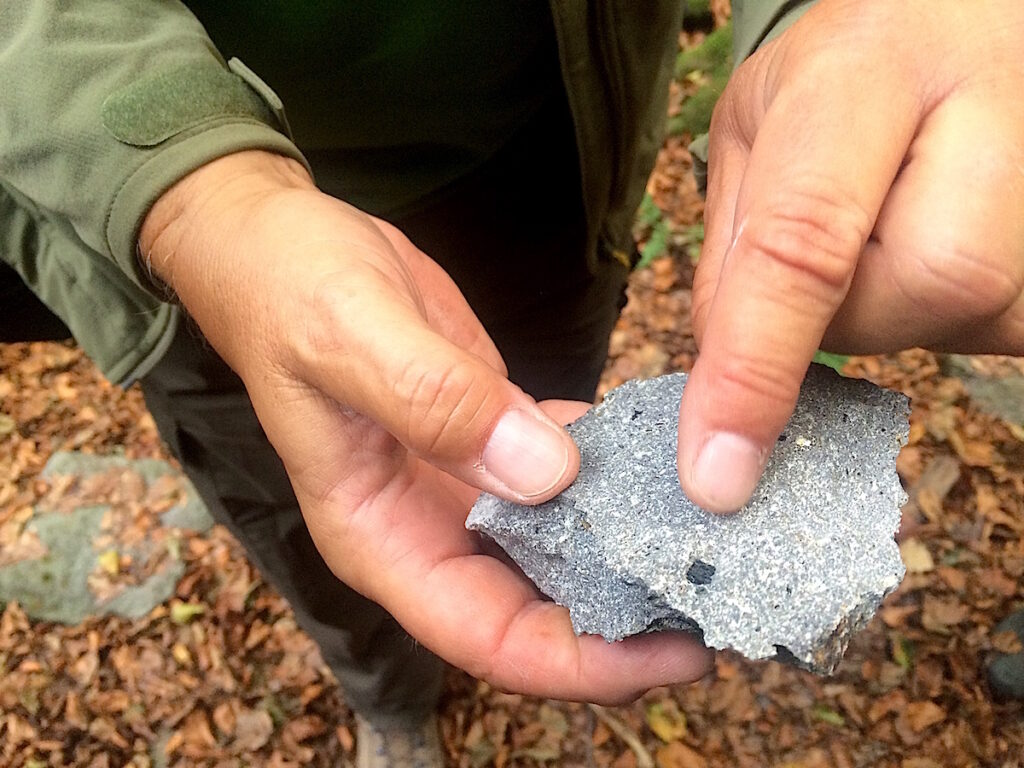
x,y
726,471
526,454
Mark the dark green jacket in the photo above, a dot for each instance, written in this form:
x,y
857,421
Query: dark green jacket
x,y
105,104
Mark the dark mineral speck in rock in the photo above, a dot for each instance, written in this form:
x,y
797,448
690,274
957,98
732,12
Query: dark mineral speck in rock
x,y
700,572
791,576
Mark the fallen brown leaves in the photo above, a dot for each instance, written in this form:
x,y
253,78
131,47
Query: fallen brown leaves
x,y
219,675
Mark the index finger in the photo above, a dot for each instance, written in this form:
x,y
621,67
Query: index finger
x,y
821,163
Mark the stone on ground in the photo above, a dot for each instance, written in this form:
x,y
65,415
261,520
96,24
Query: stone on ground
x,y
1006,671
54,580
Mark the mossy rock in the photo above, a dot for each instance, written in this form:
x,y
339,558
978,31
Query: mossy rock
x,y
711,62
713,56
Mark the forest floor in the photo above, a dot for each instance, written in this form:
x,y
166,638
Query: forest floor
x,y
219,675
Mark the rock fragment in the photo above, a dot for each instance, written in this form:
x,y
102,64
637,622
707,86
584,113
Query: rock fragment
x,y
791,576
1006,670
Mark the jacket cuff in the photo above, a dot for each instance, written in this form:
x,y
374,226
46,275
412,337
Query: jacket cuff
x,y
163,169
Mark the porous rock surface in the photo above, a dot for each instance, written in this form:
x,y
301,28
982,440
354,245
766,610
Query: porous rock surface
x,y
791,576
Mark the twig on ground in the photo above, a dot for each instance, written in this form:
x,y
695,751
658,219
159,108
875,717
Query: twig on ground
x,y
631,740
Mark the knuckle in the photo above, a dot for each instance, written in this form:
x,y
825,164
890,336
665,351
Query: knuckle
x,y
325,318
699,312
814,239
443,404
700,305
965,281
736,115
724,122
756,378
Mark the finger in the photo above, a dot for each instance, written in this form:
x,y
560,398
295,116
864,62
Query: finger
x,y
498,629
946,266
481,615
376,355
1008,327
730,138
719,212
805,208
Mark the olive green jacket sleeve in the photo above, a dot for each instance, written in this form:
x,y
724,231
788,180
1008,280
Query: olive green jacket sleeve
x,y
104,105
755,22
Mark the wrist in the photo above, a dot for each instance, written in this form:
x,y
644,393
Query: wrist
x,y
196,206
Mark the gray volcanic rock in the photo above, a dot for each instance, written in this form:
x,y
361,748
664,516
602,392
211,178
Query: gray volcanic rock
x,y
791,576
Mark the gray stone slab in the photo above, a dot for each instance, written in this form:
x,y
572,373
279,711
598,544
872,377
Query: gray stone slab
x,y
54,586
1006,670
191,514
791,576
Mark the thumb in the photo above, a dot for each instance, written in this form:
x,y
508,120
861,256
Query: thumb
x,y
444,403
799,215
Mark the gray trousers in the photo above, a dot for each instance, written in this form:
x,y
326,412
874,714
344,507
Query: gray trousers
x,y
512,236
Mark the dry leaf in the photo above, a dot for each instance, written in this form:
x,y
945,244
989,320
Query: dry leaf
x,y
258,634
916,556
103,729
300,729
939,614
666,720
253,728
553,720
345,738
955,579
1007,642
18,730
73,711
896,615
929,503
224,717
894,701
85,666
678,755
181,654
542,753
995,581
974,453
16,542
922,714
310,693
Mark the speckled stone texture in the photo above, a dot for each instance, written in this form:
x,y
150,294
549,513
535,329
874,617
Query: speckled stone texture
x,y
791,576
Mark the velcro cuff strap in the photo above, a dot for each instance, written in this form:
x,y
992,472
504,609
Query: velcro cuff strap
x,y
165,103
